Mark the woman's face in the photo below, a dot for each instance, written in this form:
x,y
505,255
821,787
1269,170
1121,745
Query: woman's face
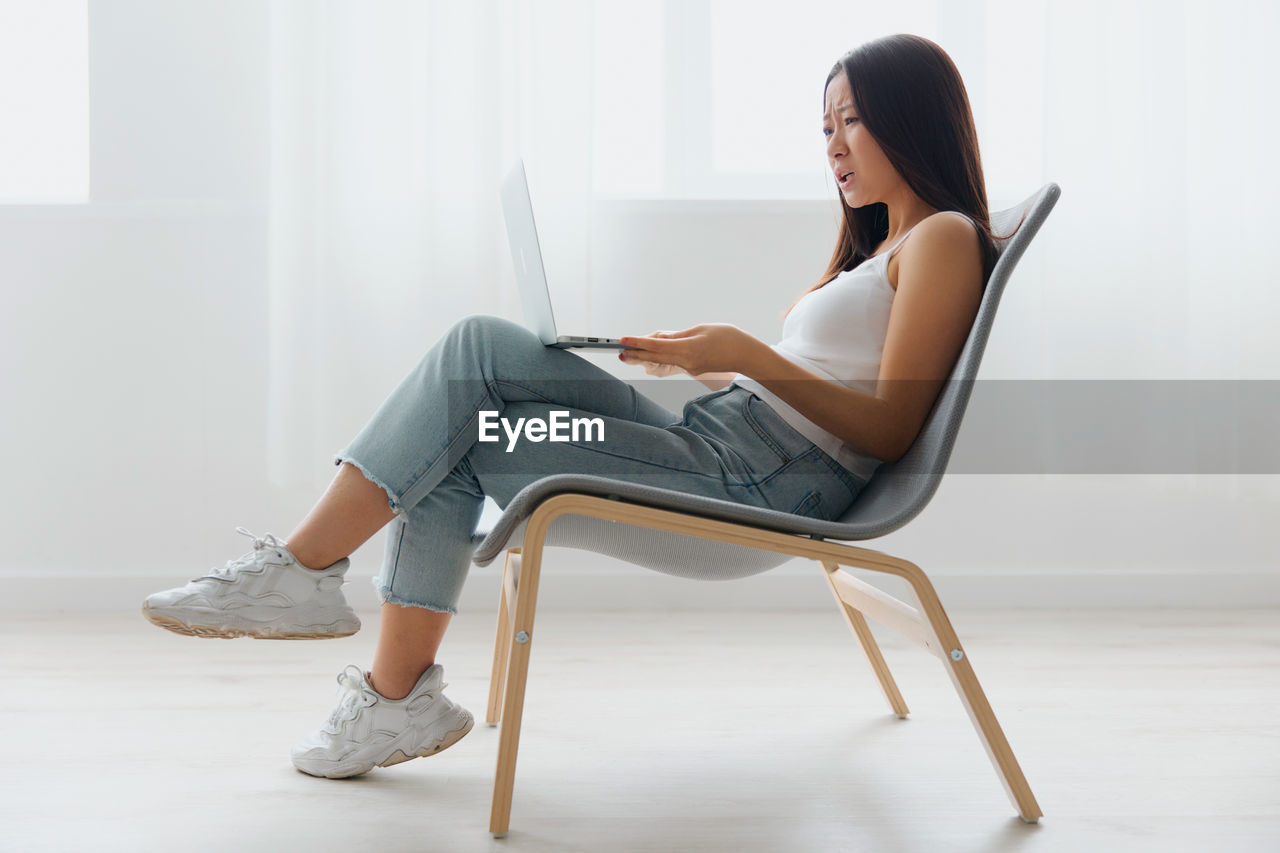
x,y
850,148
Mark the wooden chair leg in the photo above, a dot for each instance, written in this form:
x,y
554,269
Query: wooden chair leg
x,y
862,631
518,649
960,670
502,644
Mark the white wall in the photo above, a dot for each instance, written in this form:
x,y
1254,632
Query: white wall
x,y
133,372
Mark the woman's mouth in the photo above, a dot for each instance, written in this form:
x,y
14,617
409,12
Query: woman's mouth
x,y
846,178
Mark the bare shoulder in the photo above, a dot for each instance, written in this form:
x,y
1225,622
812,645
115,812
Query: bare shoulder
x,y
942,245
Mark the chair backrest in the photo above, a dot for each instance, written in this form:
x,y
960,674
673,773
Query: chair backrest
x,y
898,491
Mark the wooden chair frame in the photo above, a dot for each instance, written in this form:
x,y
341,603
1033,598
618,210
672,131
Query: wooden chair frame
x,y
925,624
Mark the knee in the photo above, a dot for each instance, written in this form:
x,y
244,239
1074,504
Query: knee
x,y
485,324
491,334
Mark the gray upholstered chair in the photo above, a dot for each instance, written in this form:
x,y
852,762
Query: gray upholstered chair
x,y
703,538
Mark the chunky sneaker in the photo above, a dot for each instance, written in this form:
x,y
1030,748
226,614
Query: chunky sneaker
x,y
266,594
368,730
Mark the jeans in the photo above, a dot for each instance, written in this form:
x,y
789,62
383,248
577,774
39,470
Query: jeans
x,y
423,448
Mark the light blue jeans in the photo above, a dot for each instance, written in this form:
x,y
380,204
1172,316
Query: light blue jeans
x,y
422,447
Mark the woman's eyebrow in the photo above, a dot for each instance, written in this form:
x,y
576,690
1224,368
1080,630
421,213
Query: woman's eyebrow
x,y
839,108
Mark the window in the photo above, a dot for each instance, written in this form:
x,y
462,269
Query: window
x,y
766,76
44,101
722,99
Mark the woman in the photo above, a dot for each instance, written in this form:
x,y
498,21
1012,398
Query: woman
x,y
798,427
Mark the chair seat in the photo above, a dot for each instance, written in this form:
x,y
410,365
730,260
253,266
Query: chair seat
x,y
660,550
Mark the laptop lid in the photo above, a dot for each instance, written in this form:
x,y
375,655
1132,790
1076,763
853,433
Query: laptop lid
x,y
531,276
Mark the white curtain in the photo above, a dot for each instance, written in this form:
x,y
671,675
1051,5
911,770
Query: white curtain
x,y
393,123
1159,125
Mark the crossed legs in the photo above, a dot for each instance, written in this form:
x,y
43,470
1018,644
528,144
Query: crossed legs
x,y
422,444
352,509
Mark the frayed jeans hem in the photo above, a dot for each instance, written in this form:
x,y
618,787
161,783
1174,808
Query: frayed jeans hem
x,y
389,597
393,500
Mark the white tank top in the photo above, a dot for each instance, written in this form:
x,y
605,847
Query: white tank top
x,y
837,332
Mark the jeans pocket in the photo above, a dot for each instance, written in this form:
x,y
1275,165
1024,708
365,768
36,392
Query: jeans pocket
x,y
810,506
773,430
704,400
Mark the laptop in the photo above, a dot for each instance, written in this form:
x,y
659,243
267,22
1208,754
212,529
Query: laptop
x,y
531,277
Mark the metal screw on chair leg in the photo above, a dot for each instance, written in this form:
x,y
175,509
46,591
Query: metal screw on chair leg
x,y
956,654
522,637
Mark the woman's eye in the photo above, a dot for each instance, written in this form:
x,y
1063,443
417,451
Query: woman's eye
x,y
826,132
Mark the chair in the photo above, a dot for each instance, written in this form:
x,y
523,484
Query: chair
x,y
703,538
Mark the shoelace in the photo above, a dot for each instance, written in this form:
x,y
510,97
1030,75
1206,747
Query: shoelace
x,y
355,695
245,560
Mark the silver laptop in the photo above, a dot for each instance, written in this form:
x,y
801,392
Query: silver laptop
x,y
531,277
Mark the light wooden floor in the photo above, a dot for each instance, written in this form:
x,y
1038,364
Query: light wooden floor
x,y
1137,730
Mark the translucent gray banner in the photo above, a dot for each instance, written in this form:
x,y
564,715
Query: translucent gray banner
x,y
1121,426
1078,426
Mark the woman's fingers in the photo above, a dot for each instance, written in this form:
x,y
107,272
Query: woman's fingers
x,y
655,368
640,340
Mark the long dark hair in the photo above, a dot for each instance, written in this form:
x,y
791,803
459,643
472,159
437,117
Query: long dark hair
x,y
912,101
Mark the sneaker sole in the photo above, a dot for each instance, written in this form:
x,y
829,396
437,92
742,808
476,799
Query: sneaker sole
x,y
428,750
177,626
397,756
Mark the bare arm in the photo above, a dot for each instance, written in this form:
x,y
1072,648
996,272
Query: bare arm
x,y
715,381
865,421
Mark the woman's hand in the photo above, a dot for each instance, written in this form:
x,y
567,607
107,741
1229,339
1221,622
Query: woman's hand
x,y
652,368
705,348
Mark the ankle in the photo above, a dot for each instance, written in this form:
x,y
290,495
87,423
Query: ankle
x,y
396,690
302,558
389,695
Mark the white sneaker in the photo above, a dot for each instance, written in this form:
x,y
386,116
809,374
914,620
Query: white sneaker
x,y
368,730
265,594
